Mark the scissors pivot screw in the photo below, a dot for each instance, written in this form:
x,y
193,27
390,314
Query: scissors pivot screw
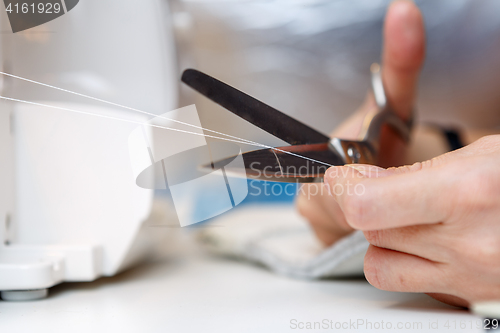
x,y
353,154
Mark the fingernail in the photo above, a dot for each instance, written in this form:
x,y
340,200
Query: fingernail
x,y
367,170
410,21
361,169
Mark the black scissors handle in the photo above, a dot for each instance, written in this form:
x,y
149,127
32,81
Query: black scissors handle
x,y
252,110
311,151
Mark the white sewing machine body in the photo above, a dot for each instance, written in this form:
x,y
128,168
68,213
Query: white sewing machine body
x,y
69,206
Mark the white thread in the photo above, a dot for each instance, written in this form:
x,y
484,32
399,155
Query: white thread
x,y
152,114
162,127
279,164
121,106
116,118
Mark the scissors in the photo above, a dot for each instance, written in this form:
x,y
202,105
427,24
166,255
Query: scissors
x,y
310,152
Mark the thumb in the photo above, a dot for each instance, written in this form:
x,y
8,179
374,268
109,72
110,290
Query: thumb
x,y
374,199
403,54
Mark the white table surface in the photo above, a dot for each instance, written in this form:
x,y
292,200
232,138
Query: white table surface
x,y
200,293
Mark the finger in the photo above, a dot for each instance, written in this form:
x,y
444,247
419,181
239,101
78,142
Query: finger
x,y
328,227
403,54
402,57
395,271
422,240
410,195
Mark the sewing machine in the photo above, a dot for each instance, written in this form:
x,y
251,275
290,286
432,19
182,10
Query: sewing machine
x,y
69,206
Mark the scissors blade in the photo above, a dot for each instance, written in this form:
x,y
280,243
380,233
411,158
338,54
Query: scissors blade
x,y
252,110
277,166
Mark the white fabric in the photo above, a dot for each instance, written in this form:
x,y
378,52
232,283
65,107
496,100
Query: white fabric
x,y
280,239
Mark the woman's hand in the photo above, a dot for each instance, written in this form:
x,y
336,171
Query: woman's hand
x,y
402,57
434,227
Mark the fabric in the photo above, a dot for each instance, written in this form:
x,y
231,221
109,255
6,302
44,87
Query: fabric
x,y
277,237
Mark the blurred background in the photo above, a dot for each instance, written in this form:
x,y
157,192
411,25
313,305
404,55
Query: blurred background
x,y
67,178
69,197
307,58
311,58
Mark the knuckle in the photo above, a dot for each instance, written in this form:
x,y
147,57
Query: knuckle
x,y
486,251
486,186
476,191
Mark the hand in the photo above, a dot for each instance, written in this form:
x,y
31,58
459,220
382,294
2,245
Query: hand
x,y
434,227
403,54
